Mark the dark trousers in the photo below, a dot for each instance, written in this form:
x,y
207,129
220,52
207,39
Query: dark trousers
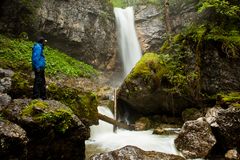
x,y
39,88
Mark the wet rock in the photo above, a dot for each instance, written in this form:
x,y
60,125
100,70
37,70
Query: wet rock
x,y
228,129
6,73
195,139
5,80
211,116
158,131
52,128
232,155
142,124
4,100
134,153
164,131
13,141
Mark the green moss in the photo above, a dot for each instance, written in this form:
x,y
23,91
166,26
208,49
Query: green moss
x,y
83,104
46,116
124,3
21,85
150,66
16,54
230,97
237,105
28,110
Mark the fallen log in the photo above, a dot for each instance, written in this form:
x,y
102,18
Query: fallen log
x,y
114,122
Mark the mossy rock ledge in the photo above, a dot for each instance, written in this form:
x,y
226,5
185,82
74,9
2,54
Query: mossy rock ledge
x,y
82,103
53,130
147,91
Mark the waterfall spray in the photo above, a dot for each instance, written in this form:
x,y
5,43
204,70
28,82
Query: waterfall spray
x,y
127,38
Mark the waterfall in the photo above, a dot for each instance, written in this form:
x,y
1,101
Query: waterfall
x,y
127,38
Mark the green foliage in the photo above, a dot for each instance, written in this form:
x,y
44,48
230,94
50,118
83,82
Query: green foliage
x,y
125,3
229,97
223,24
23,12
222,7
118,3
1,116
41,113
16,54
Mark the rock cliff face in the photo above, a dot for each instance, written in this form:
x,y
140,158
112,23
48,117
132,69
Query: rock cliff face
x,y
83,28
150,23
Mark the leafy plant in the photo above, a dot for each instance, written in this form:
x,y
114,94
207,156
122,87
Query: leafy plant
x,y
222,7
16,54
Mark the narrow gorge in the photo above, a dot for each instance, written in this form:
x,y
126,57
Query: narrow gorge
x,y
167,69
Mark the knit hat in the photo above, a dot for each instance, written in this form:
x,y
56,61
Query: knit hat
x,y
41,39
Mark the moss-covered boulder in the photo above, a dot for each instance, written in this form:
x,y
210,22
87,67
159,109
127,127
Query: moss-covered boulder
x,y
83,104
53,130
148,90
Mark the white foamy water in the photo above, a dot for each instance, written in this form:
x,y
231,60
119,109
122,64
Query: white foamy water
x,y
127,38
103,139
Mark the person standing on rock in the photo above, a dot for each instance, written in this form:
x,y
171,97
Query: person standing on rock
x,y
38,64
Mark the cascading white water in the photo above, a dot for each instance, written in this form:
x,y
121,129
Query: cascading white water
x,y
127,38
103,139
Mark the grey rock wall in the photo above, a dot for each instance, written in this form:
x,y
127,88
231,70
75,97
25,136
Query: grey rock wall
x,y
85,29
150,23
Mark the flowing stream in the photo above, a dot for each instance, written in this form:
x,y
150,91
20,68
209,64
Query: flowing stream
x,y
127,38
103,139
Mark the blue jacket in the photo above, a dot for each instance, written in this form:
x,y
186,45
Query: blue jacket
x,y
38,59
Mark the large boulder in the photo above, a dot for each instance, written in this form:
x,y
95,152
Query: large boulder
x,y
147,90
13,141
195,139
228,127
224,119
52,128
134,153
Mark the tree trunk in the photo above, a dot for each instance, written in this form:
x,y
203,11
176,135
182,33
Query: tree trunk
x,y
167,17
114,122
